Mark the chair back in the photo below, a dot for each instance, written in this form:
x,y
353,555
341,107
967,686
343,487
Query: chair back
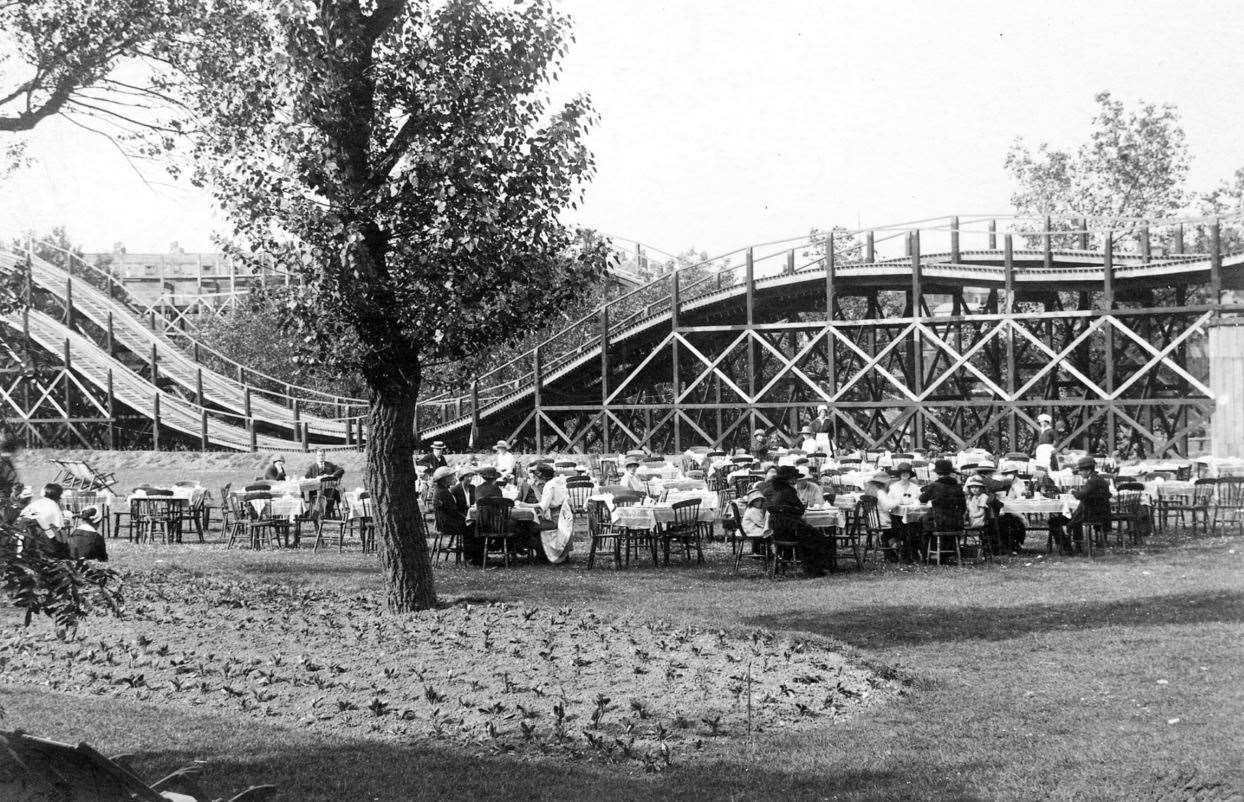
x,y
1121,486
1203,491
76,772
254,486
597,516
741,485
1127,502
686,513
576,497
1230,491
493,515
625,499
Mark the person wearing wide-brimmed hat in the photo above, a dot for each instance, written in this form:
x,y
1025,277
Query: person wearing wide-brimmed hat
x,y
487,488
630,478
1004,532
275,472
1094,508
945,495
823,430
807,440
503,458
760,447
786,520
435,458
450,505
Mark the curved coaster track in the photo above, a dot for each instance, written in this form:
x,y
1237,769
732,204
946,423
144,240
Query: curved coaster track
x,y
934,347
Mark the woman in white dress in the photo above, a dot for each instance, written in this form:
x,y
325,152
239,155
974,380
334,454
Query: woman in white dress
x,y
1044,454
555,512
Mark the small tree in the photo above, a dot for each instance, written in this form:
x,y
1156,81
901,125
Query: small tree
x,y
401,157
1134,165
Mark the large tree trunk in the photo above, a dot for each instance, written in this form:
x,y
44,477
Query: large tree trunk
x,y
391,480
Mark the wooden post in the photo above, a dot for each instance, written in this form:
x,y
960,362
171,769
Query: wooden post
x,y
1107,302
155,367
69,301
604,378
830,267
304,429
68,383
1145,253
198,386
203,430
1008,267
954,239
155,421
198,283
790,262
250,432
1084,235
1047,244
1179,238
1215,264
475,409
195,349
917,349
537,396
870,248
111,343
246,402
749,286
993,235
112,415
674,366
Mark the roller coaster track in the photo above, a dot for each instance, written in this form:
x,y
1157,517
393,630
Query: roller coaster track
x,y
113,320
621,357
110,375
662,360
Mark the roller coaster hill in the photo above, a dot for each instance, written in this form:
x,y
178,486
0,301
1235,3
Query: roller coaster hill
x,y
942,333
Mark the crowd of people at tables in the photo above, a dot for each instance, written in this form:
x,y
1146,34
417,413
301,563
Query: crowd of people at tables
x,y
968,497
42,519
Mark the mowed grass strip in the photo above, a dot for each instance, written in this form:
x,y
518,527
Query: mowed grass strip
x,y
1029,678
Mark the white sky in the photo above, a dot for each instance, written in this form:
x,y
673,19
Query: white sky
x,y
735,121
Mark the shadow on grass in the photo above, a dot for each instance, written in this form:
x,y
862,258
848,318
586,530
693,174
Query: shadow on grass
x,y
307,765
882,626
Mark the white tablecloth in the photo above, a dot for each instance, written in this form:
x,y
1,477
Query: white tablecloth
x,y
193,495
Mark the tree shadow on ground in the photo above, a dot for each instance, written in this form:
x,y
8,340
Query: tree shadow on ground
x,y
305,765
882,626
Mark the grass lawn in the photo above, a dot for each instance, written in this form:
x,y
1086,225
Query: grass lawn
x,y
1033,677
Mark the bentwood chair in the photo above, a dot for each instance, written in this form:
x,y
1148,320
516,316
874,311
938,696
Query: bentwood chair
x,y
1229,502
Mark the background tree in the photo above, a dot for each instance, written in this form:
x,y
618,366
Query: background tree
x,y
403,158
1134,165
68,58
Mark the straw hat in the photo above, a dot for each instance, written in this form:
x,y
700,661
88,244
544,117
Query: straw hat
x,y
501,446
442,472
1086,464
438,444
1044,418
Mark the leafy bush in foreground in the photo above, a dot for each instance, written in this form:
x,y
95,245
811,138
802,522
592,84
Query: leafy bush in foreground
x,y
66,590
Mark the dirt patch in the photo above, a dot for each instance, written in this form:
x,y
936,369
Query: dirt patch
x,y
565,683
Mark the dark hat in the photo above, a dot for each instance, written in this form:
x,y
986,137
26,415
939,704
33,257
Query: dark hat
x,y
544,471
715,454
943,467
1086,464
90,515
902,468
741,459
489,472
787,473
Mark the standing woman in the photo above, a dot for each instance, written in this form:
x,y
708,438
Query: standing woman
x,y
9,484
1044,454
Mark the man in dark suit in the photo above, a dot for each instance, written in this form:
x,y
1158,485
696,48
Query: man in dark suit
x,y
276,469
435,459
945,495
786,520
464,490
323,469
451,514
1094,496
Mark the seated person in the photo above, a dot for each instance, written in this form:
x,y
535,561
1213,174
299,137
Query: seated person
x,y
755,523
487,488
451,518
977,503
630,479
786,520
46,514
434,459
946,497
1094,496
323,469
275,472
810,493
504,459
85,542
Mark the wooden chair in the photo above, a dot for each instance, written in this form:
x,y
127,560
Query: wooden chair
x,y
576,497
1197,504
492,526
446,541
258,523
1125,511
327,528
785,548
156,516
53,770
750,547
602,534
1228,503
685,529
943,543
